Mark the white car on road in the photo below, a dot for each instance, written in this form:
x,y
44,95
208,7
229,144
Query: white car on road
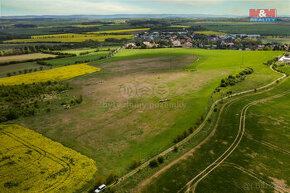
x,y
100,188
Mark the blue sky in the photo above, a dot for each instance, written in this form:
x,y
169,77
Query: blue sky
x,y
104,7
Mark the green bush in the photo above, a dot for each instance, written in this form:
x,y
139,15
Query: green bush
x,y
153,164
160,160
175,149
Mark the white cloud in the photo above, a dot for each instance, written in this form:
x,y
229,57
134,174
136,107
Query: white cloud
x,y
63,7
190,2
95,7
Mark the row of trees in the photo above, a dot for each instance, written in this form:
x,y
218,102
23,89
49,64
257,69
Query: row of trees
x,y
18,51
271,61
25,71
232,80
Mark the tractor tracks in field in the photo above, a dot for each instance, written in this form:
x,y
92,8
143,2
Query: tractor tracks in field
x,y
44,154
197,131
267,144
247,186
191,185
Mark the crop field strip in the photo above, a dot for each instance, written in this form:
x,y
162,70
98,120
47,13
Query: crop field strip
x,y
210,32
56,74
24,57
93,56
119,31
69,38
67,169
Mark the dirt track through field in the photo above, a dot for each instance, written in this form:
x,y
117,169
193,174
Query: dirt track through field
x,y
189,153
148,180
230,150
43,154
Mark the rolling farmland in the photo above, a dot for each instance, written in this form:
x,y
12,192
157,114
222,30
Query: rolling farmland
x,y
151,67
178,96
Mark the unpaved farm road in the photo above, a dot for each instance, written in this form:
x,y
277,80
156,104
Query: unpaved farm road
x,y
198,130
191,185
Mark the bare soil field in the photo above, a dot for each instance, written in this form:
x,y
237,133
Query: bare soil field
x,y
24,57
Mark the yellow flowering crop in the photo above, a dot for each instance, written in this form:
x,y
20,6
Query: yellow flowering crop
x,y
70,37
30,162
56,74
119,31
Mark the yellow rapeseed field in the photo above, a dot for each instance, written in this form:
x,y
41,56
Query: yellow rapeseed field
x,y
70,37
119,31
30,162
56,74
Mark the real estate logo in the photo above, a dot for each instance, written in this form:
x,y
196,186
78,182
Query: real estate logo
x,y
263,15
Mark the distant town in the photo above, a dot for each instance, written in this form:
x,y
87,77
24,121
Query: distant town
x,y
188,39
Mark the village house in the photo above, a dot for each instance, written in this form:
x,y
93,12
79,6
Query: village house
x,y
150,45
187,45
130,45
285,59
176,43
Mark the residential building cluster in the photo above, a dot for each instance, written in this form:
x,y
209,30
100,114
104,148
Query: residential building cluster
x,y
186,39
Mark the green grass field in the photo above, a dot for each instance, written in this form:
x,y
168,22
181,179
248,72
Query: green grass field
x,y
244,27
72,60
264,152
19,67
85,50
285,69
266,136
114,129
79,51
270,39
